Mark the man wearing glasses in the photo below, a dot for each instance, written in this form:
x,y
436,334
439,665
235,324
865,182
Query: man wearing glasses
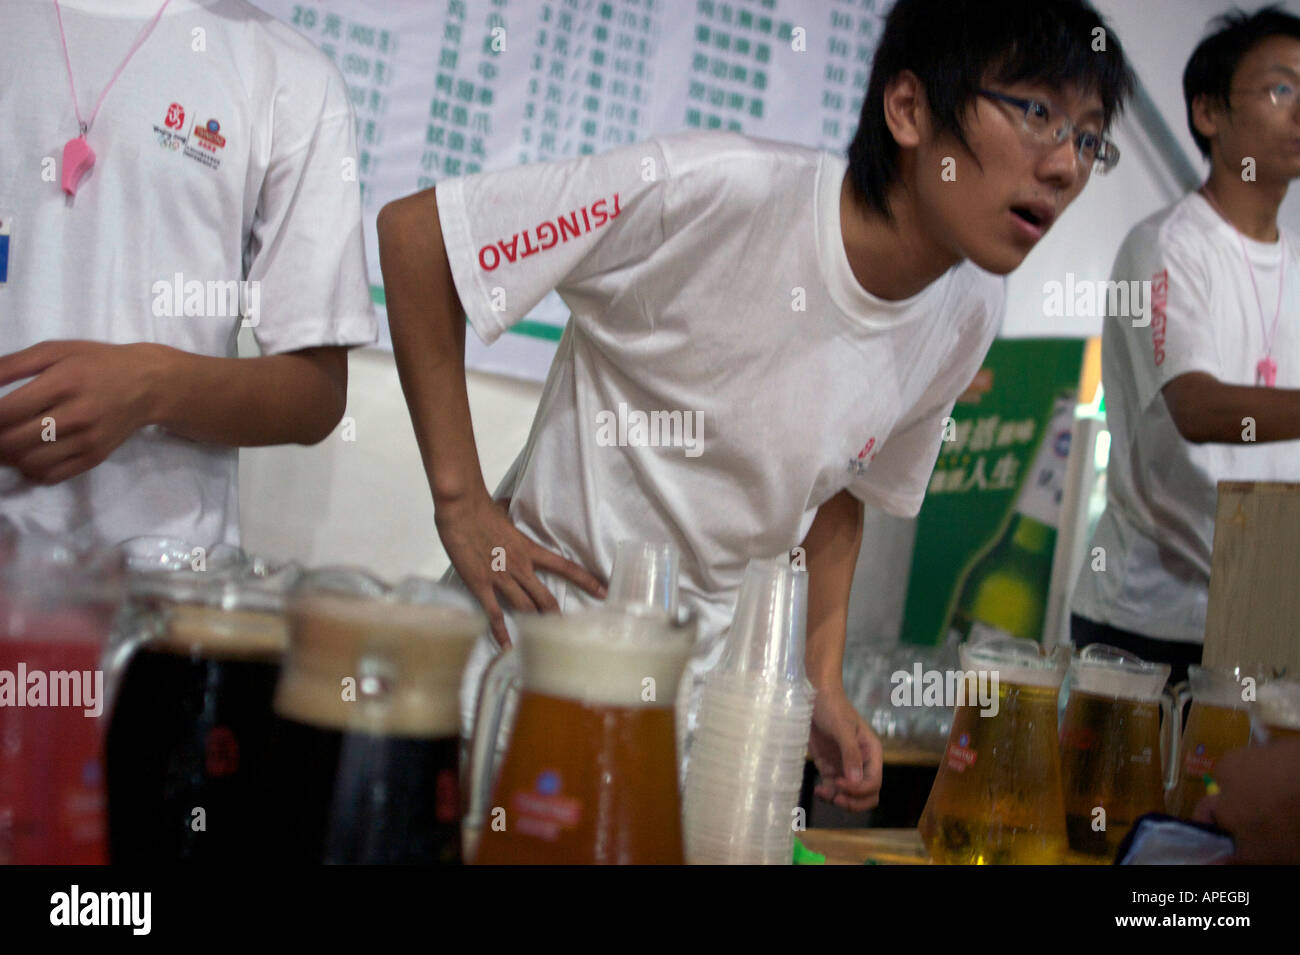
x,y
1208,391
818,318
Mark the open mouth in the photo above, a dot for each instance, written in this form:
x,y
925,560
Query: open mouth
x,y
1030,216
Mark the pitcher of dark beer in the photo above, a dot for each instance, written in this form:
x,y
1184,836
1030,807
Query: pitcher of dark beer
x,y
365,741
997,796
195,661
1112,747
590,773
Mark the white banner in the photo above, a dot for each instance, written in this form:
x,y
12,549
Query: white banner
x,y
444,88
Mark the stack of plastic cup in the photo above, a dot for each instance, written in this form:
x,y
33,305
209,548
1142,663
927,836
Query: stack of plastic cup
x,y
751,736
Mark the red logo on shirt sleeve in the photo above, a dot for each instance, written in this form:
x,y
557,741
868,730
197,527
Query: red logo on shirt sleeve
x,y
175,116
550,233
1159,314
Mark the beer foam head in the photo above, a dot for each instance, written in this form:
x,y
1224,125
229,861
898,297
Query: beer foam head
x,y
377,665
629,656
1107,671
215,632
1225,685
1016,661
1279,703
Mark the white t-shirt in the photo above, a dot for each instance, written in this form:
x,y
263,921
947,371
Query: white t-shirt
x,y
1158,526
215,166
710,293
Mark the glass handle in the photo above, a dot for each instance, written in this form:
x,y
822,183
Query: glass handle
x,y
1172,702
131,630
501,674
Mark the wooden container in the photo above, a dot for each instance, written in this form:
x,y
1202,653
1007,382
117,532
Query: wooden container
x,y
1254,604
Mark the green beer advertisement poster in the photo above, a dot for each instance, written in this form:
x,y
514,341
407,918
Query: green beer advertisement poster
x,y
986,534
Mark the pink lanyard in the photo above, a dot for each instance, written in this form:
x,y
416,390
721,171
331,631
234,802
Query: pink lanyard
x,y
1266,368
78,157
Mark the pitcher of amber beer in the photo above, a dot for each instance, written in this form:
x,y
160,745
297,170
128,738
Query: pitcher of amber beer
x,y
997,796
590,772
1219,721
1111,746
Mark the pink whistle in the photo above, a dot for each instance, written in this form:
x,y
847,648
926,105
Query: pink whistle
x,y
1266,373
78,157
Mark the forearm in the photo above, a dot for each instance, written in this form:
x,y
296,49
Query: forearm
x,y
1206,410
427,323
294,398
831,549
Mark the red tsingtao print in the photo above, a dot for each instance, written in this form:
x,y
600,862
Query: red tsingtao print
x,y
547,235
1159,314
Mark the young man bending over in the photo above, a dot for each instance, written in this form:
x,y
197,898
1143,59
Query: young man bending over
x,y
814,318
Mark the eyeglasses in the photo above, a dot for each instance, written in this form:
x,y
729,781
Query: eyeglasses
x,y
1281,95
1044,126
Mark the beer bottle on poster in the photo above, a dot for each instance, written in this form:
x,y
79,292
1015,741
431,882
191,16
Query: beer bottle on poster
x,y
1005,588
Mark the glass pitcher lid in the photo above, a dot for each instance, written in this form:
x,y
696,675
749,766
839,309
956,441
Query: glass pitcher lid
x,y
1016,660
1235,687
1104,670
1279,703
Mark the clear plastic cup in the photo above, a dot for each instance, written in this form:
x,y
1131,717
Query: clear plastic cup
x,y
766,639
733,793
645,572
734,751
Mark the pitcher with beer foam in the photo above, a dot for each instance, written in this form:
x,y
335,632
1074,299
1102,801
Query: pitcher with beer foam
x,y
1112,748
997,796
1277,711
1219,721
590,772
195,664
365,746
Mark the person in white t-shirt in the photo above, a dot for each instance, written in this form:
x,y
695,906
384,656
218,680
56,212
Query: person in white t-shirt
x,y
1207,391
809,321
219,196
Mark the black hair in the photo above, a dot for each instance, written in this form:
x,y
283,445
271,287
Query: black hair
x,y
957,46
1214,62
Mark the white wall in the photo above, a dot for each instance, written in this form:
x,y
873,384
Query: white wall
x,y
365,501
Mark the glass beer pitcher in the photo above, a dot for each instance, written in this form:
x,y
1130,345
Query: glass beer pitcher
x,y
997,797
590,773
365,740
1219,721
1112,750
195,662
58,597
